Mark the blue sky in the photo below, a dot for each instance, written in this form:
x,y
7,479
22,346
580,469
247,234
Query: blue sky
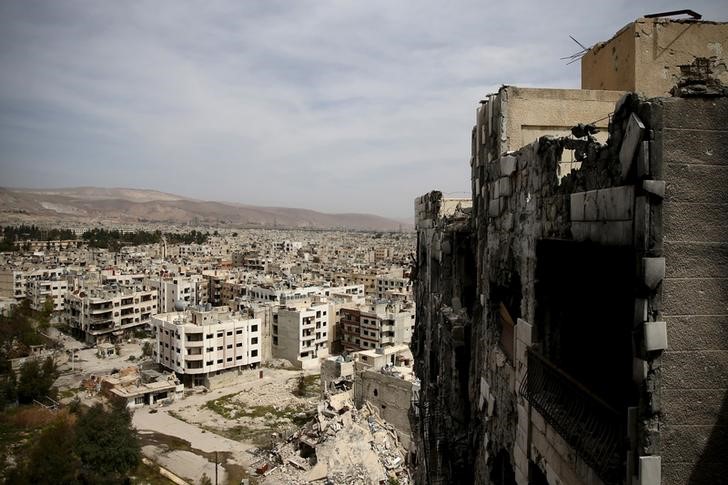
x,y
328,105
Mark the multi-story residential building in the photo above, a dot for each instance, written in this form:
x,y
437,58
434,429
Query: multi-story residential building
x,y
215,280
300,334
204,341
39,290
377,326
14,282
288,246
393,286
176,293
109,313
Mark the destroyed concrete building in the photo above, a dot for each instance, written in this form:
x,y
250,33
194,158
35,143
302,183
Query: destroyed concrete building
x,y
571,323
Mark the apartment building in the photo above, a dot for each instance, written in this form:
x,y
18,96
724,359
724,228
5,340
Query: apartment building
x,y
14,282
203,342
176,293
300,334
393,285
38,290
110,313
377,326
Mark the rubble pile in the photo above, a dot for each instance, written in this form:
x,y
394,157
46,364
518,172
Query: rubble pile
x,y
340,445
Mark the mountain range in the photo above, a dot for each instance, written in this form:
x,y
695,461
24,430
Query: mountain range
x,y
124,205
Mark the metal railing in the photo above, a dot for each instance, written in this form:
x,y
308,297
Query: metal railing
x,y
588,424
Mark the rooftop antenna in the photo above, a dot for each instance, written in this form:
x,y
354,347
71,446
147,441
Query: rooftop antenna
x,y
577,56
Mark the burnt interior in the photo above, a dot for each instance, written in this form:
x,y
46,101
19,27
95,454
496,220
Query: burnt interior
x,y
584,309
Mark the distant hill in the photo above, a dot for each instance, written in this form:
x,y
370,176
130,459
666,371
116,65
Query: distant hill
x,y
136,205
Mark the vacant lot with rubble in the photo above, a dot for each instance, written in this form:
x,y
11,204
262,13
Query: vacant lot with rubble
x,y
255,411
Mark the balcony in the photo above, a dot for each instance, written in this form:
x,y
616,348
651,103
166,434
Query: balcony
x,y
589,425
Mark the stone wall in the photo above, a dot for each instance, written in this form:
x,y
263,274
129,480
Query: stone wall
x,y
692,148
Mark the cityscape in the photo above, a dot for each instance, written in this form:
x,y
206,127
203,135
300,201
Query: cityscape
x,y
562,321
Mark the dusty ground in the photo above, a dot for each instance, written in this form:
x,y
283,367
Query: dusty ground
x,y
253,411
184,436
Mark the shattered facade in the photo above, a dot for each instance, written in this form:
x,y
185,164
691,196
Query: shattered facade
x,y
571,325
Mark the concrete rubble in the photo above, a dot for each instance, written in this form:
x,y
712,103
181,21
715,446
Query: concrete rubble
x,y
340,445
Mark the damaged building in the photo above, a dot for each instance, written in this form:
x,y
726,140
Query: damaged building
x,y
572,313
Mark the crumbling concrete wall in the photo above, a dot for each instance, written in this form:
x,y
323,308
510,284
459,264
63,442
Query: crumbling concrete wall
x,y
444,286
645,55
391,396
691,149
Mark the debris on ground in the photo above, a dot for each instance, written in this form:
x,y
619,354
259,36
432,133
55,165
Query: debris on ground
x,y
340,445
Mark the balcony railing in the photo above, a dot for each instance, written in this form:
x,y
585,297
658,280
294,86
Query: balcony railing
x,y
584,421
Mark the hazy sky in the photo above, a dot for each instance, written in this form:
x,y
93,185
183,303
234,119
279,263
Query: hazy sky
x,y
328,105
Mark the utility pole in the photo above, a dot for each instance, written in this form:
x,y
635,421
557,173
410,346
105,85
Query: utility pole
x,y
216,468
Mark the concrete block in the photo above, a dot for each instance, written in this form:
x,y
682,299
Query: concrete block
x,y
650,470
521,437
494,207
655,336
654,187
507,165
521,479
630,142
537,420
643,159
641,222
639,370
580,231
618,203
576,207
653,271
505,188
494,193
591,207
524,331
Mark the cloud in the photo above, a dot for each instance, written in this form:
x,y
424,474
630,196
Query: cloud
x,y
330,105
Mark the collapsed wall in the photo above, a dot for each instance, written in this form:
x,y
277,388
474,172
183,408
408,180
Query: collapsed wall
x,y
544,313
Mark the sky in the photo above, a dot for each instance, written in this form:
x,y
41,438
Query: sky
x,y
335,106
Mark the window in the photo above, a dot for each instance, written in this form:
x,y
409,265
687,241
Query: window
x,y
275,340
253,340
239,344
139,400
220,334
229,359
238,332
209,335
254,328
229,333
220,347
239,357
209,362
230,346
219,361
254,353
210,349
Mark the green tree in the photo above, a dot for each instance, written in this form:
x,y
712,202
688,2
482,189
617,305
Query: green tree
x,y
52,459
106,443
147,349
8,390
36,380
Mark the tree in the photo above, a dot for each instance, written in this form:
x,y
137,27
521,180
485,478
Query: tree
x,y
52,459
106,443
36,380
147,349
205,480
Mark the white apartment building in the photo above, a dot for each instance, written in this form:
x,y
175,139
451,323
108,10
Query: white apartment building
x,y
14,282
176,293
393,286
109,313
38,290
204,341
288,246
377,326
301,335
